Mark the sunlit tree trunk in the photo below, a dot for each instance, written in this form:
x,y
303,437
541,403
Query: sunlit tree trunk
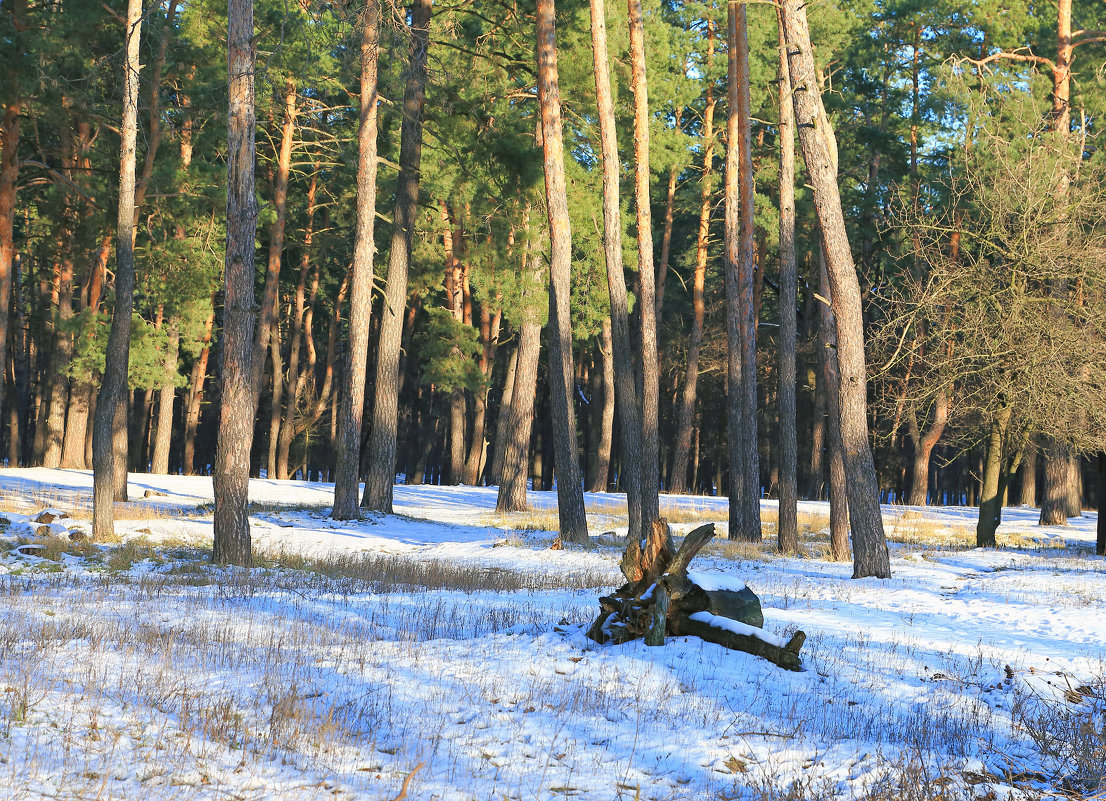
x,y
744,486
352,400
382,441
870,556
626,396
606,422
570,491
194,400
166,396
237,400
111,404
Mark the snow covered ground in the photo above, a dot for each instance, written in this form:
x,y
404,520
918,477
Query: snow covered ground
x,y
451,638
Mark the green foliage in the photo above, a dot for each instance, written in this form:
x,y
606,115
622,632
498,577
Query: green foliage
x,y
449,348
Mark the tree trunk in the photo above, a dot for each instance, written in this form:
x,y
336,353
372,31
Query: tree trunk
x,y
870,556
495,472
626,396
76,426
606,423
489,336
1055,500
237,406
269,291
1100,544
195,399
650,361
831,380
990,502
9,173
788,532
512,481
923,448
666,233
1028,496
744,486
113,387
685,414
166,396
276,401
348,458
570,492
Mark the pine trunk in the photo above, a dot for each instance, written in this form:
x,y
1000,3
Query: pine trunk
x,y
831,381
76,426
570,492
512,482
166,397
650,360
195,400
9,173
870,556
111,403
1100,544
744,486
788,532
275,403
1028,495
348,443
606,422
626,396
495,472
685,414
237,406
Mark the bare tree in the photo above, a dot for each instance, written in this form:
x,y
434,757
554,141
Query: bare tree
x,y
112,399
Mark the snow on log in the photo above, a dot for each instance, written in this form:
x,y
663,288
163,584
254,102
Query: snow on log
x,y
679,602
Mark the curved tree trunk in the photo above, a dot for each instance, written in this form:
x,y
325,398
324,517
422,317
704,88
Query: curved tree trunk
x,y
348,440
570,491
237,406
382,441
870,556
111,404
923,448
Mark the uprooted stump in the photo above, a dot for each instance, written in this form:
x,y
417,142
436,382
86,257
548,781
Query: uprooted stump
x,y
662,597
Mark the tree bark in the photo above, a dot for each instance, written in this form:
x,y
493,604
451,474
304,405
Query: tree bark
x,y
76,425
113,387
195,399
788,531
650,360
626,396
685,415
512,482
1054,503
489,338
744,486
570,492
505,399
923,448
666,233
166,396
990,502
9,173
1028,495
831,382
606,423
352,403
1100,544
870,556
237,406
269,291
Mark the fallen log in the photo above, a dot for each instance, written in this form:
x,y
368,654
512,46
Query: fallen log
x,y
662,597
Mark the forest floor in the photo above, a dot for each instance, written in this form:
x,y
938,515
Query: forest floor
x,y
452,638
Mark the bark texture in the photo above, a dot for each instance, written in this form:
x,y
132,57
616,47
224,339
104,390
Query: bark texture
x,y
352,404
570,491
382,441
113,387
744,486
870,556
237,405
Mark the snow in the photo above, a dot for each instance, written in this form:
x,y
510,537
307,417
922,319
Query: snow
x,y
457,642
715,582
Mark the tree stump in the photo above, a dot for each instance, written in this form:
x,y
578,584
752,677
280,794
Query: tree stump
x,y
663,597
